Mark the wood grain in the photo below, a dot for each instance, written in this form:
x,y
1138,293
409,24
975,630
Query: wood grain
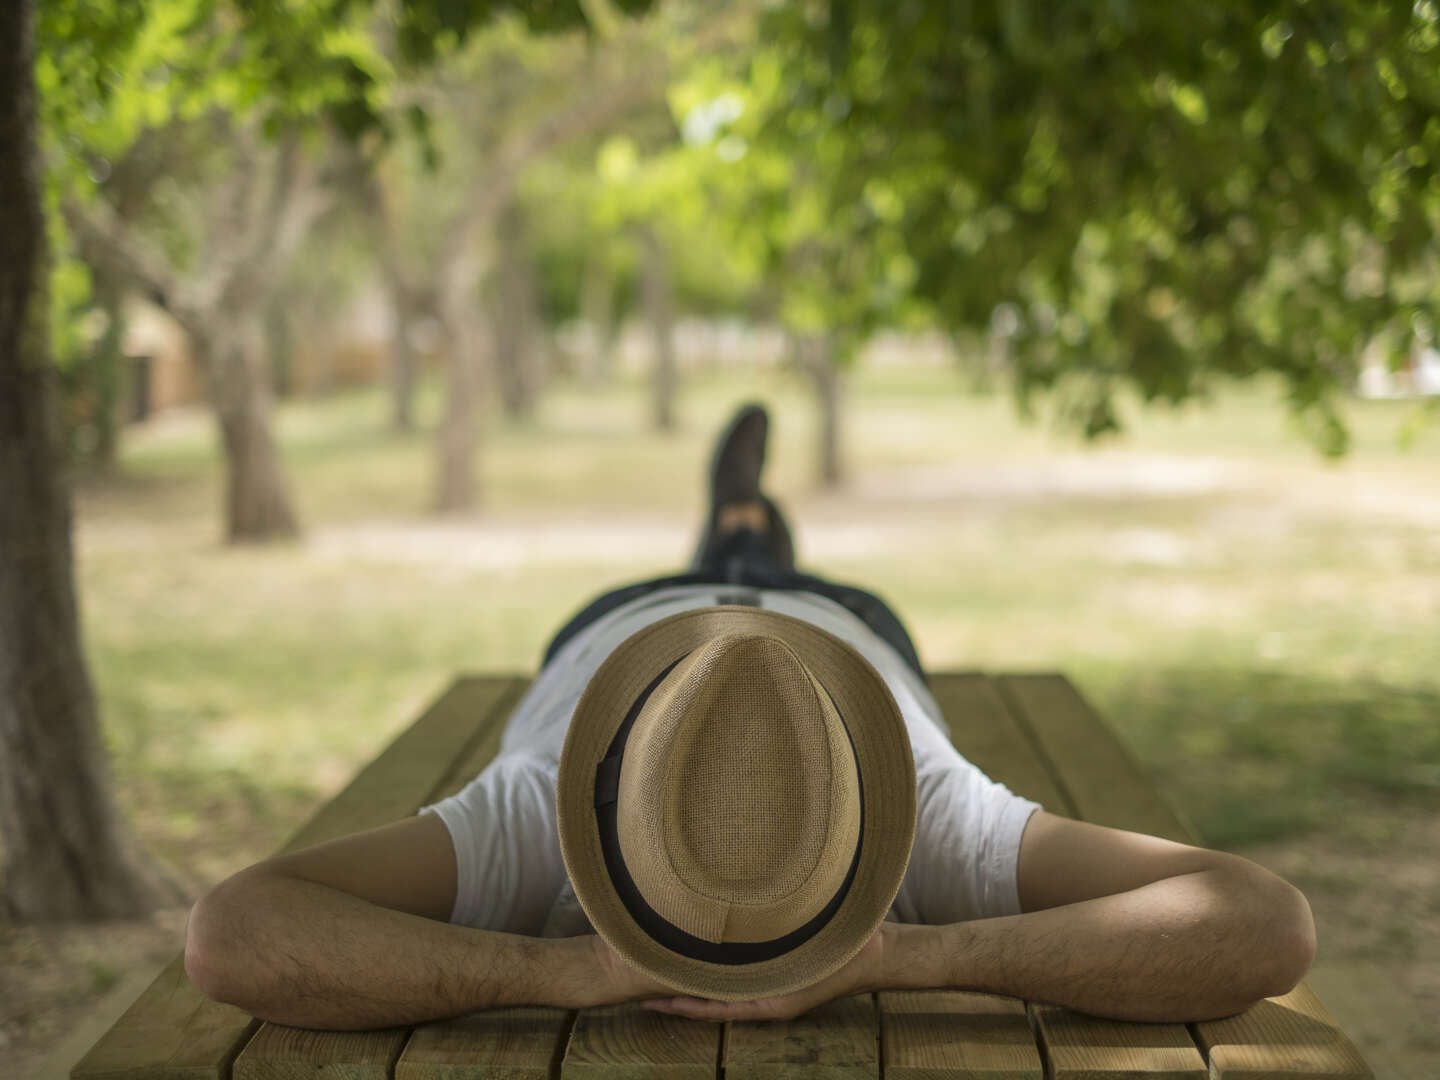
x,y
627,1042
1108,786
987,733
1088,1048
1294,1037
931,1034
173,1032
834,1041
285,1053
1102,779
953,1035
499,1044
483,705
1101,782
483,746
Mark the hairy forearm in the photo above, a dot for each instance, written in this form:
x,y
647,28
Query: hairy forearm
x,y
1191,947
307,955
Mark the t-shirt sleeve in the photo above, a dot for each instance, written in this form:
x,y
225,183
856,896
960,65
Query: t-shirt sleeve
x,y
507,854
967,846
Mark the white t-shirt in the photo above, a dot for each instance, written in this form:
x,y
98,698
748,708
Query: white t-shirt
x,y
507,851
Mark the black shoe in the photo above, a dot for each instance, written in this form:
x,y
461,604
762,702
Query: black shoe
x,y
779,535
739,457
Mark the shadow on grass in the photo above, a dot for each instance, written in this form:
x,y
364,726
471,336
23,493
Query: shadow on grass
x,y
1255,755
210,821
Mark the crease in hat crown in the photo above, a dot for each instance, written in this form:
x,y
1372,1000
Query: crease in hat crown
x,y
739,796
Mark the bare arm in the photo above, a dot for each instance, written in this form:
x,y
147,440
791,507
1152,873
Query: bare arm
x,y
1117,924
1209,939
346,935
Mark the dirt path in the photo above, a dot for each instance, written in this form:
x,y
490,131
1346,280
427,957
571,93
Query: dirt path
x,y
1377,914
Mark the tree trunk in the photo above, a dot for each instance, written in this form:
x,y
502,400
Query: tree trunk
x,y
457,488
402,361
519,360
816,354
257,499
108,370
408,305
224,318
280,346
659,310
597,308
66,854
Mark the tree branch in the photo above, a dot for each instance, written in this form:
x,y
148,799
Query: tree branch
x,y
104,239
493,188
262,223
299,197
590,109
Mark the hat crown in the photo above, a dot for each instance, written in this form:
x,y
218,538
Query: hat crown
x,y
739,799
622,779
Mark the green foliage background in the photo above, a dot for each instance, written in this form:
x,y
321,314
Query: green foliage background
x,y
1124,195
1157,194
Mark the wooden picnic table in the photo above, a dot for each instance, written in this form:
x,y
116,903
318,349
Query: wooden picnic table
x,y
1033,732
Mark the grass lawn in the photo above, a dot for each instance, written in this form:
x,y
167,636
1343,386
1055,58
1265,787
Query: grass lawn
x,y
1260,625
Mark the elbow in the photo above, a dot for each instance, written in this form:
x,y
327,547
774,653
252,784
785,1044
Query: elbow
x,y
1281,943
215,963
1270,935
1291,930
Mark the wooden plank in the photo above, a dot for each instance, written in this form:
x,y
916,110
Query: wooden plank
x,y
278,1052
1087,1048
953,1035
282,1053
1108,786
499,1044
1294,1037
172,1031
986,732
502,1044
627,1042
483,747
834,1041
930,1033
1101,782
411,770
1104,782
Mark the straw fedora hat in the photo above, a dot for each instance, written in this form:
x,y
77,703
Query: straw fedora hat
x,y
736,802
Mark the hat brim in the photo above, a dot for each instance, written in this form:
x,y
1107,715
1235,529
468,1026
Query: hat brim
x,y
882,754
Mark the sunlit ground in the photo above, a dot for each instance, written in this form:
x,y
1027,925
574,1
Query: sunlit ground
x,y
1261,626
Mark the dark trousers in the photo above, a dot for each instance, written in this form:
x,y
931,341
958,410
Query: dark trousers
x,y
746,559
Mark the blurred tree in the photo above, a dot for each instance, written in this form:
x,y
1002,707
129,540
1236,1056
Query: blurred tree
x,y
567,108
660,311
235,244
651,191
452,225
66,853
1153,195
94,369
829,274
520,360
598,312
169,187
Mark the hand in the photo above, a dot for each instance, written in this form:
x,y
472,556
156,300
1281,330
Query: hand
x,y
863,973
621,981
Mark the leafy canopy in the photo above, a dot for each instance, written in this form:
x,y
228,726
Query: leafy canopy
x,y
111,72
1138,194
